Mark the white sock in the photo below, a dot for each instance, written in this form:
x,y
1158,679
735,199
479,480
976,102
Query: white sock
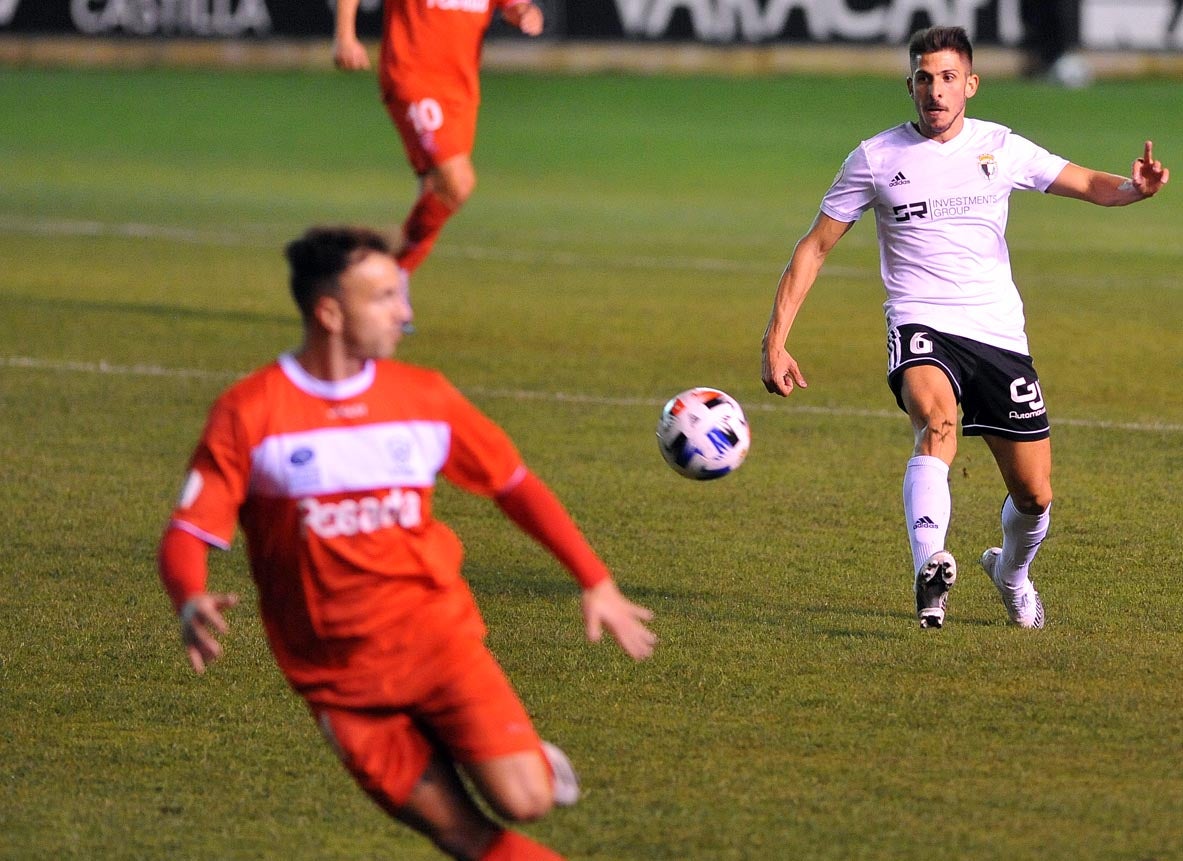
x,y
1021,536
928,506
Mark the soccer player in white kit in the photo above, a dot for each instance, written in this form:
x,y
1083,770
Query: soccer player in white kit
x,y
939,188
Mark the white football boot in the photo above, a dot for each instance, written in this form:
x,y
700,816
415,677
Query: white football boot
x,y
1023,606
566,781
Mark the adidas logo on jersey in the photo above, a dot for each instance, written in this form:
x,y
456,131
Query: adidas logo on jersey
x,y
899,179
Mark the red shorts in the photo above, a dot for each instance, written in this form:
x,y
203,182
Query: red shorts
x,y
469,712
433,128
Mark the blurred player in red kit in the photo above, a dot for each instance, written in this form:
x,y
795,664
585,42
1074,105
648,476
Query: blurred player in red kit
x,y
328,459
429,74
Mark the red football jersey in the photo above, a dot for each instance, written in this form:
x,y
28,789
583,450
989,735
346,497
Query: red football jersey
x,y
332,484
433,47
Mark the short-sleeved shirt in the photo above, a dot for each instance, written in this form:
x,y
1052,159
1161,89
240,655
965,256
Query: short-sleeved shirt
x,y
332,484
432,48
940,214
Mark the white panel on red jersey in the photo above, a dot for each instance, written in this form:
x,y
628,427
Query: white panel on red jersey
x,y
341,460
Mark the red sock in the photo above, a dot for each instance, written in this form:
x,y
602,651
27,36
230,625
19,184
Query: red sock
x,y
512,846
422,227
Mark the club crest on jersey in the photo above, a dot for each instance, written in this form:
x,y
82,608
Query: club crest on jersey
x,y
988,165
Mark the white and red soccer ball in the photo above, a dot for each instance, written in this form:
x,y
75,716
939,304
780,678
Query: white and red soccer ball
x,y
703,434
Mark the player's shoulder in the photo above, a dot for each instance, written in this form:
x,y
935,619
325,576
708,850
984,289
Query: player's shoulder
x,y
412,383
887,143
897,135
989,131
253,385
396,370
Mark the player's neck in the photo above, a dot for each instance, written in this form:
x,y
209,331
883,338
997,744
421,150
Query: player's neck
x,y
943,136
327,362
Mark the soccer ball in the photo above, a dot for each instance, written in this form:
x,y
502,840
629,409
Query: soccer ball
x,y
703,434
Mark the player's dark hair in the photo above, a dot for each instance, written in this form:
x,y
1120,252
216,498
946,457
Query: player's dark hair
x,y
935,39
318,258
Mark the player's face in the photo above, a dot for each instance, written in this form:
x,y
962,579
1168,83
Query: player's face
x,y
940,85
374,307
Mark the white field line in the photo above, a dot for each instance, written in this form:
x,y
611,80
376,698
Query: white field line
x,y
76,227
259,236
769,406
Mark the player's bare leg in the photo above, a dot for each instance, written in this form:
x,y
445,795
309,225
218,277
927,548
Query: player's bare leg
x,y
1026,469
518,786
440,808
442,191
452,180
932,408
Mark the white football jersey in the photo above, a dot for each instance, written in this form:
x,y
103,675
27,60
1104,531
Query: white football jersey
x,y
940,214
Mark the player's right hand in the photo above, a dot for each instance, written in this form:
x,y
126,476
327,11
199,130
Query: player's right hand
x,y
201,622
350,55
780,373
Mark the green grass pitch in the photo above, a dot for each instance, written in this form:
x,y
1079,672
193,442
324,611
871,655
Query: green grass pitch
x,y
623,244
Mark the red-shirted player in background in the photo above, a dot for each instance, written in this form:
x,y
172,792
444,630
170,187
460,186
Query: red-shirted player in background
x,y
328,458
429,73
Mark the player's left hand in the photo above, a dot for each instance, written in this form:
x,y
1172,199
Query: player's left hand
x,y
605,607
1148,175
526,16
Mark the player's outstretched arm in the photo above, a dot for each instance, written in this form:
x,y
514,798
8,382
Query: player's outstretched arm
x,y
349,54
535,509
605,607
779,370
524,15
1147,178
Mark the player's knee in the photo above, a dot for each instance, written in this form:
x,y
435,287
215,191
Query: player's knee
x,y
937,437
454,183
524,803
460,189
1033,501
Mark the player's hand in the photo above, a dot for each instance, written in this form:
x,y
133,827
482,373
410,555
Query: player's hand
x,y
350,55
201,622
1148,175
605,607
526,16
780,372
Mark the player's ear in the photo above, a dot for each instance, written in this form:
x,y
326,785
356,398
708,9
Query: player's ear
x,y
328,313
971,85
